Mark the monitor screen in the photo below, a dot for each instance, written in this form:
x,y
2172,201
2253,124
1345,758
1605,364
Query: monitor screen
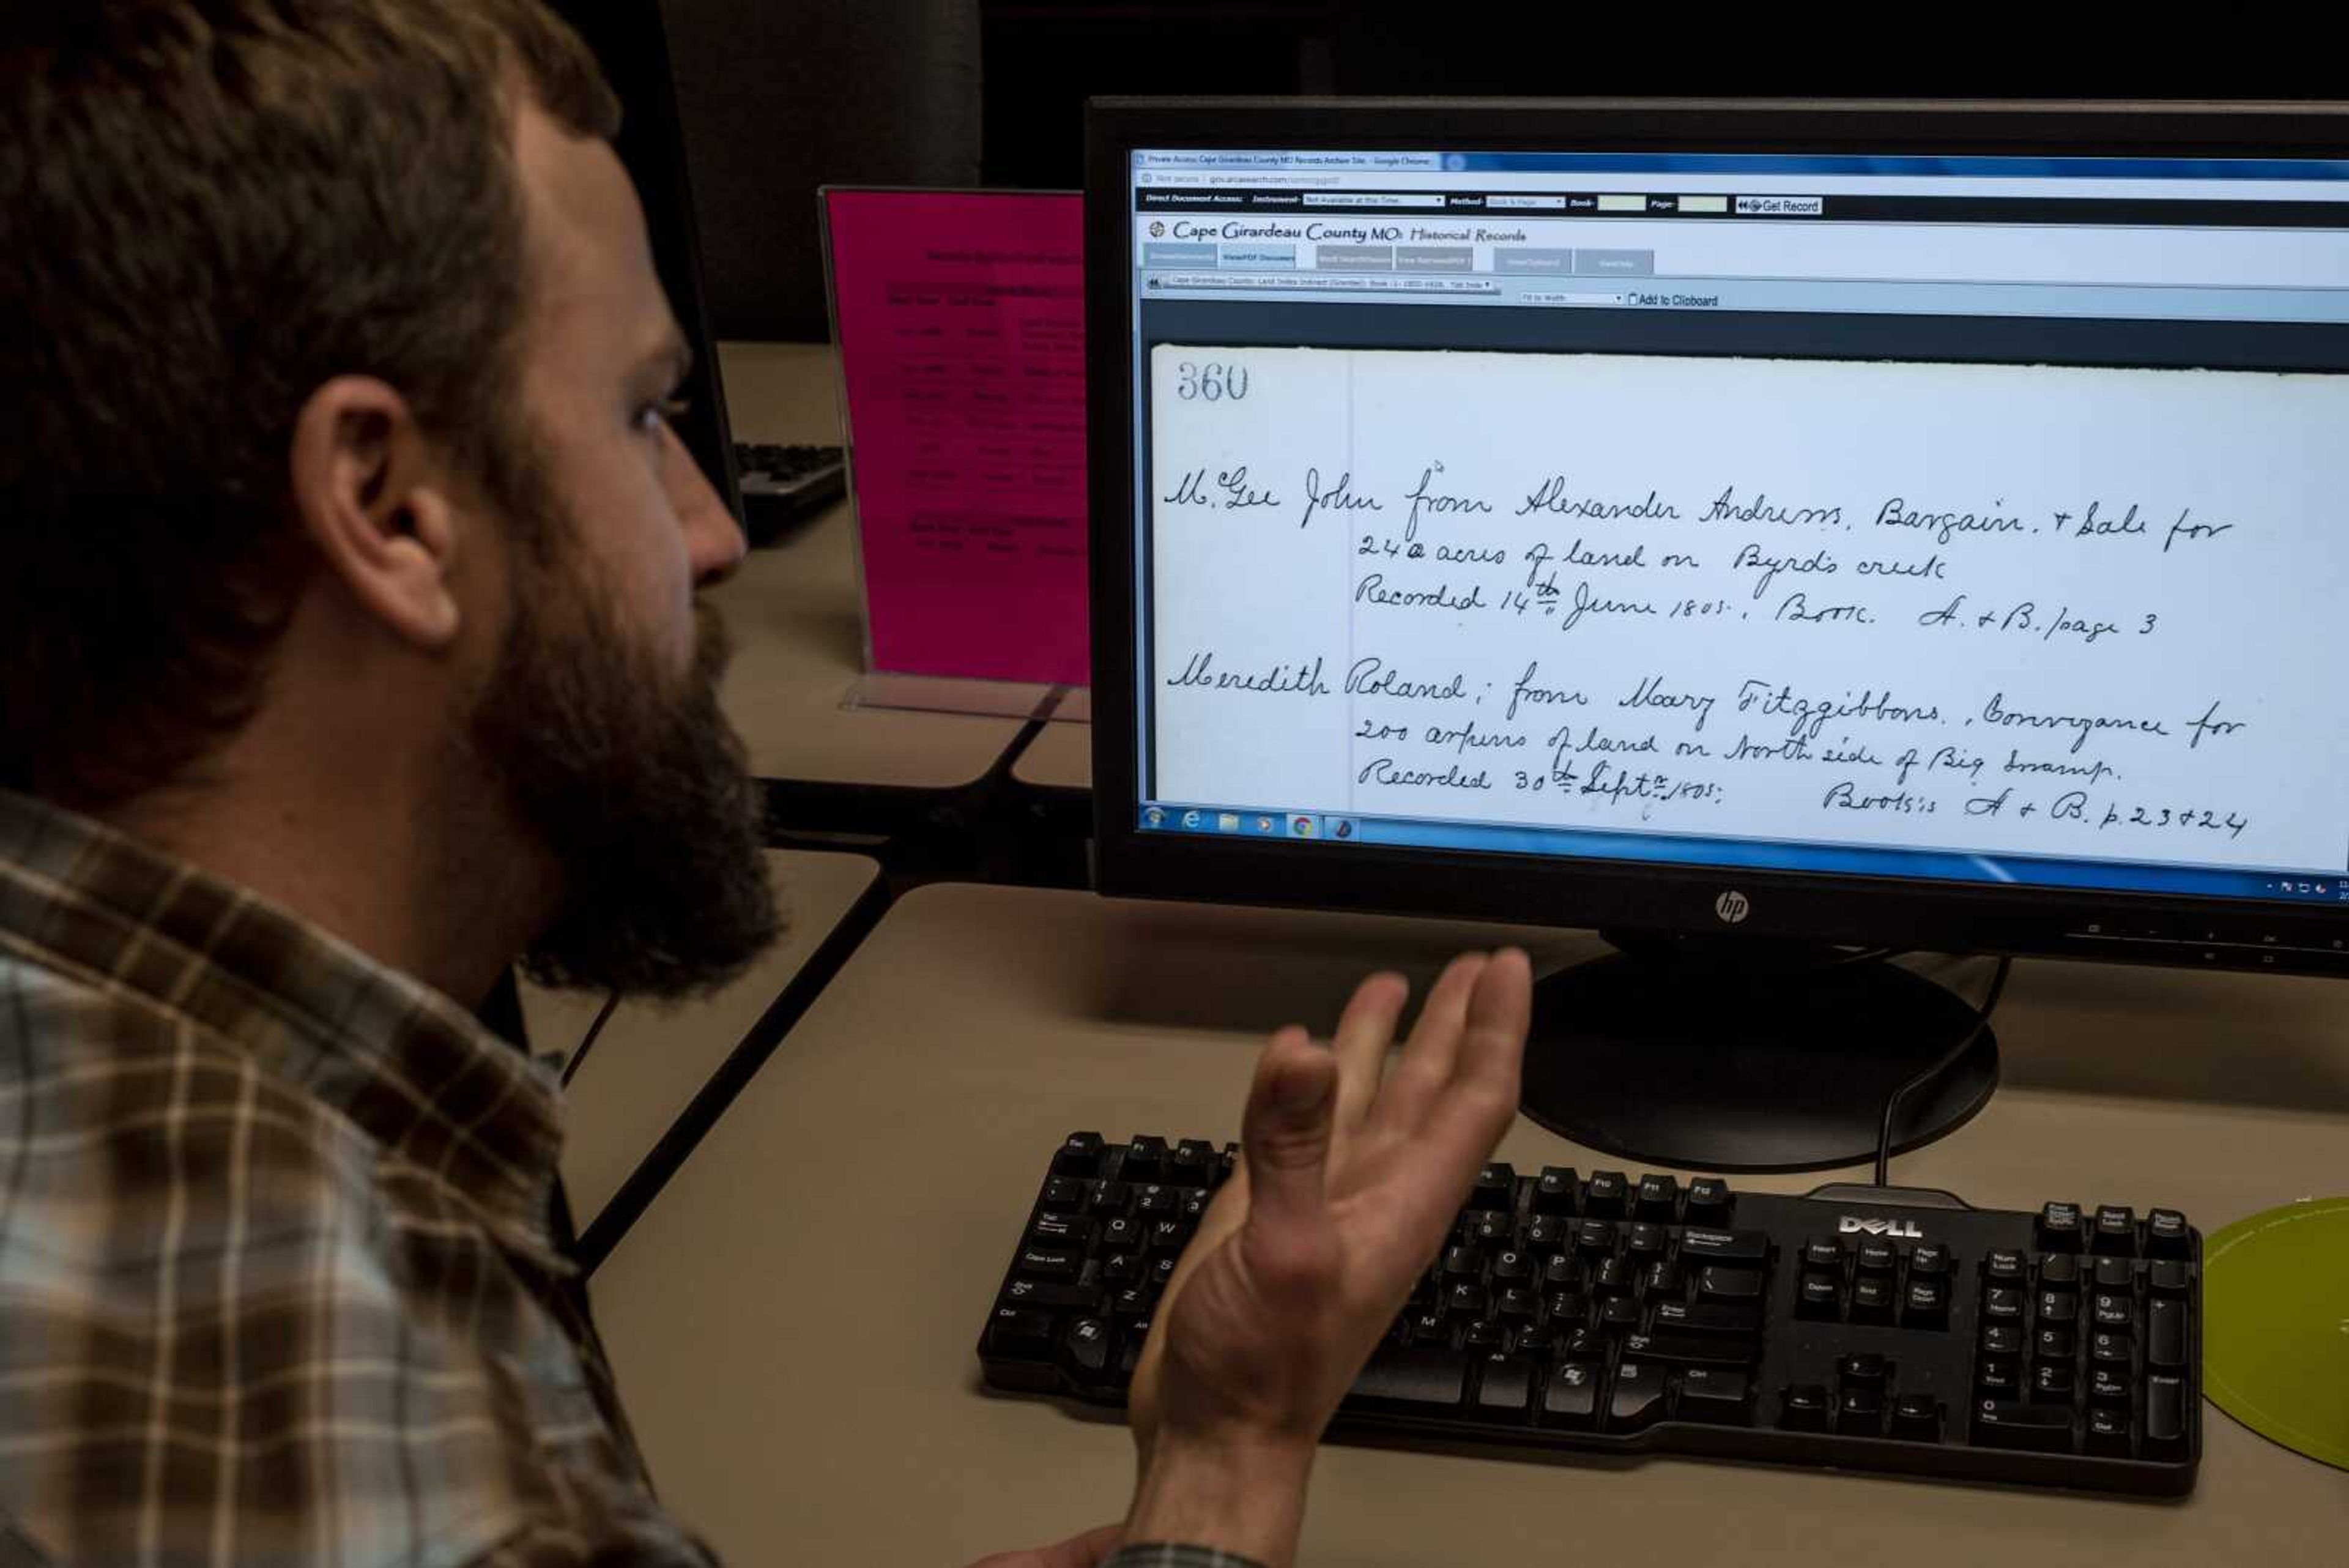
x,y
1900,518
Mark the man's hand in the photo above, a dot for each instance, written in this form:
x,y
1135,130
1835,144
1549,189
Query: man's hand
x,y
1347,1186
1087,1551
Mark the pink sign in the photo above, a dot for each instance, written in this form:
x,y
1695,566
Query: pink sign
x,y
960,318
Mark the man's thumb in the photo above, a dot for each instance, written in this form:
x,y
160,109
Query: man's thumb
x,y
1287,1129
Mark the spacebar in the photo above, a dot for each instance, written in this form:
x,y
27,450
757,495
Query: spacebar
x,y
1420,1381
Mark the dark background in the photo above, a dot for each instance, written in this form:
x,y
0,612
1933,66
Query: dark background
x,y
776,97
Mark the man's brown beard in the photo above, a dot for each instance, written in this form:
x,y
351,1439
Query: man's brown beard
x,y
639,789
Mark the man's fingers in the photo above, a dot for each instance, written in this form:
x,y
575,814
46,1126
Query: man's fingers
x,y
1286,1131
1364,1033
1426,1066
1477,1104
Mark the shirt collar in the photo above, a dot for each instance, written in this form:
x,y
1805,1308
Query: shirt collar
x,y
418,1073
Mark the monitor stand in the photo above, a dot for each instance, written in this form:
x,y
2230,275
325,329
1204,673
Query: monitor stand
x,y
1746,1055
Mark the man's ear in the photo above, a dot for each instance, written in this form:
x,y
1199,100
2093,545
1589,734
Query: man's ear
x,y
371,491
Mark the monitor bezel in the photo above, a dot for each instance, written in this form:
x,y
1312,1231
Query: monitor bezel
x,y
1902,913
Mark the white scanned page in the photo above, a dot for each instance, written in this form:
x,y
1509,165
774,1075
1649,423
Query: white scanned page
x,y
2100,614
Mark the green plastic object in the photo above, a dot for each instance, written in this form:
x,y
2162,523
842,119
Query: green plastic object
x,y
2275,1326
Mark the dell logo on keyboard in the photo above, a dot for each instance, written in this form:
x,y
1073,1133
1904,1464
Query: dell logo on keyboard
x,y
1851,1224
1731,906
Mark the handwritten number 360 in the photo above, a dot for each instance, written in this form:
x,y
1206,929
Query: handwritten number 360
x,y
1212,383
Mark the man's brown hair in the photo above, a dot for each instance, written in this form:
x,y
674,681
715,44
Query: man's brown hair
x,y
208,209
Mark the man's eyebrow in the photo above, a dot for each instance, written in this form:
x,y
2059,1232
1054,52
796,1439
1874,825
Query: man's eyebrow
x,y
673,359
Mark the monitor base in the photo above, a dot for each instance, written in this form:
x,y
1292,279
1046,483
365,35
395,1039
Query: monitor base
x,y
1722,1064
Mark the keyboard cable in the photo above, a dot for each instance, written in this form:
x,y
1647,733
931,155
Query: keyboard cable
x,y
1940,1065
603,1016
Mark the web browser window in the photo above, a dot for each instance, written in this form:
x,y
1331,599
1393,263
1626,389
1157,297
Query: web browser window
x,y
1975,519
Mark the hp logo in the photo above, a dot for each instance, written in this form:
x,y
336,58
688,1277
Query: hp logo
x,y
1733,907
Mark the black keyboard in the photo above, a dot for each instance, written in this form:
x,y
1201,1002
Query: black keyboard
x,y
782,485
1859,1327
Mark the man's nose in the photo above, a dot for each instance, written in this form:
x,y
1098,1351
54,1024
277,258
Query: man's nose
x,y
714,543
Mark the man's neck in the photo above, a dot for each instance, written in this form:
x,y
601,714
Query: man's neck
x,y
445,890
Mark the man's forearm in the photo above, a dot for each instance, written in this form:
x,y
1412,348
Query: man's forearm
x,y
1242,1498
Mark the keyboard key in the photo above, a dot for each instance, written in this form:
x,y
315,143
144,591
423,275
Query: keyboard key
x,y
1512,1266
1562,1273
1493,1229
1709,1201
2164,1418
1571,1399
1871,1298
1615,1277
1157,1201
1506,1389
2036,1428
2059,1272
1931,1261
1663,1281
1605,1194
1926,1305
1414,1382
1109,1197
1086,1349
1595,1238
2059,1306
2166,1277
2108,1432
1120,1233
1545,1235
1051,1295
1496,1187
1917,1417
1048,1263
2051,1383
1484,1334
2053,1342
1690,1349
1746,1247
1717,1283
2058,1230
2115,1274
1804,1408
1120,1268
2002,1339
1461,1263
1711,1394
1193,1163
2002,1268
1648,1241
1859,1411
2003,1304
1061,1231
2107,1386
1998,1377
2107,1310
1639,1397
1877,1258
1819,1296
1554,1190
1021,1333
1659,1197
1823,1253
1080,1155
2109,1350
1464,1298
1145,1159
2116,1231
2166,1234
2165,1337
1706,1317
1618,1315
1864,1367
1063,1195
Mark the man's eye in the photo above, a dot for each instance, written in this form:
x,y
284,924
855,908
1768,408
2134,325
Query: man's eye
x,y
669,411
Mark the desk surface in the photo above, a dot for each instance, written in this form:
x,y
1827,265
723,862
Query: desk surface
x,y
650,1061
1059,757
806,1384
799,630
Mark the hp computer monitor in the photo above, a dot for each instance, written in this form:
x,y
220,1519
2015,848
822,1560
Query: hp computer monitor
x,y
1903,527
